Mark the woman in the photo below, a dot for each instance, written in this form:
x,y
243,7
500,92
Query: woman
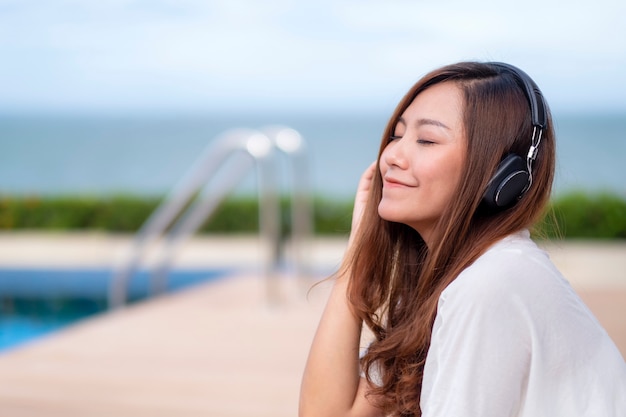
x,y
469,317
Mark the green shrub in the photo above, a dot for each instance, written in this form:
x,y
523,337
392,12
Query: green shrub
x,y
575,215
332,217
75,213
128,213
235,215
241,215
581,215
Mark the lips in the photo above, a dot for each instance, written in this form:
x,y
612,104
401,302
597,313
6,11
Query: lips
x,y
393,182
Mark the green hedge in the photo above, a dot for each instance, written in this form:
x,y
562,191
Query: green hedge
x,y
575,215
75,213
581,215
127,214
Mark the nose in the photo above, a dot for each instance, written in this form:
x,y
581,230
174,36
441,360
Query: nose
x,y
395,153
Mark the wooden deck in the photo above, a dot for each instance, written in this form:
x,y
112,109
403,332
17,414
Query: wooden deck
x,y
220,349
216,350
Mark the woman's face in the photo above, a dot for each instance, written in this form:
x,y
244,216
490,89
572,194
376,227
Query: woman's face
x,y
422,162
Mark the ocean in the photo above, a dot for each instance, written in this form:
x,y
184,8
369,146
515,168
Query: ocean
x,y
147,155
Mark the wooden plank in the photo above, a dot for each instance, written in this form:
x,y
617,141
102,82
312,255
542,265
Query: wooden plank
x,y
217,350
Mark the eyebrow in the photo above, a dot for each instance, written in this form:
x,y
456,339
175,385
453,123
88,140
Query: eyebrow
x,y
422,122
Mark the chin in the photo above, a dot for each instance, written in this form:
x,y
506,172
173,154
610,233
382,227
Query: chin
x,y
389,214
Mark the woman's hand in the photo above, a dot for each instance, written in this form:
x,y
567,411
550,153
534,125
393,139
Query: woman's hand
x,y
362,196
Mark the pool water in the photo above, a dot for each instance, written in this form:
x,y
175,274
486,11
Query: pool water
x,y
37,302
23,320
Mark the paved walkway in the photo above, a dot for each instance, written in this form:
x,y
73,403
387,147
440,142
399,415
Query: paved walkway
x,y
218,349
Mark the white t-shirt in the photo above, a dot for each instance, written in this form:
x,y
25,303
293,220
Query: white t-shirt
x,y
511,338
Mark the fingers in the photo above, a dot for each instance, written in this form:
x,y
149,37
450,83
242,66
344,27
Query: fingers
x,y
365,182
362,196
367,176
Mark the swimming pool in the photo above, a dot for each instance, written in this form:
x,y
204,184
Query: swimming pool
x,y
37,302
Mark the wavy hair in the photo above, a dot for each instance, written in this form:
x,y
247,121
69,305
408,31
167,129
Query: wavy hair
x,y
396,280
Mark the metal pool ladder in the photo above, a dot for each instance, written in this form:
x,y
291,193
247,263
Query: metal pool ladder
x,y
194,199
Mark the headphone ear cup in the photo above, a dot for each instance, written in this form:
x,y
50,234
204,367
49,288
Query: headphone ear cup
x,y
508,183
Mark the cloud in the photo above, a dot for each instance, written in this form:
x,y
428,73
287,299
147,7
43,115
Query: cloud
x,y
197,54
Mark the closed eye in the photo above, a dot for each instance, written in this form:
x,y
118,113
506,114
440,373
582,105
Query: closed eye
x,y
425,142
394,137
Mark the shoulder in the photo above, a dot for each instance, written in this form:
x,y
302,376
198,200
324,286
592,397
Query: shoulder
x,y
512,267
513,279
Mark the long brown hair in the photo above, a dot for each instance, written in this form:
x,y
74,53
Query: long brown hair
x,y
396,279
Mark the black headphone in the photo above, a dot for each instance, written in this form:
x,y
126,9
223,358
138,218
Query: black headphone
x,y
513,177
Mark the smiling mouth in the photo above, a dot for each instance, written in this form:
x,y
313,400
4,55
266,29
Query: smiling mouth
x,y
389,182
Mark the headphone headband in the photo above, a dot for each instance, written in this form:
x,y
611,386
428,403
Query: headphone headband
x,y
538,111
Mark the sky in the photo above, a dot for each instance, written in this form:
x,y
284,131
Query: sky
x,y
289,55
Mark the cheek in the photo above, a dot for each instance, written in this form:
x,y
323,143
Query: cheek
x,y
454,176
429,171
442,175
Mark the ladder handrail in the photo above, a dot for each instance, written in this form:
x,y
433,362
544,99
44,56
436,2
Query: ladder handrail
x,y
190,222
248,141
292,144
194,187
205,205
